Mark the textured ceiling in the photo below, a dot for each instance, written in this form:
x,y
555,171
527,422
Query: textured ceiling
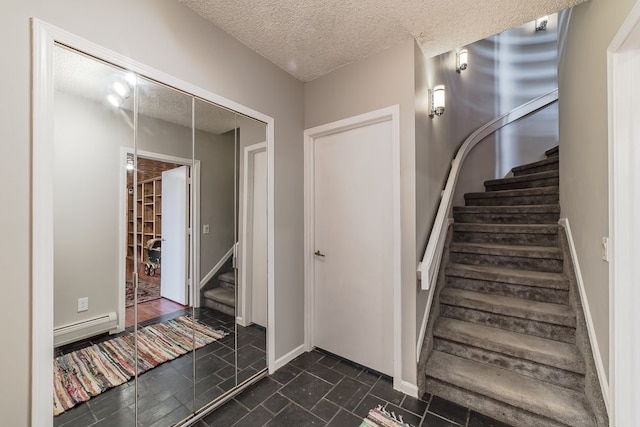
x,y
310,38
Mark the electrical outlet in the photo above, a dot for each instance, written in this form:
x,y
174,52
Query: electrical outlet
x,y
83,304
205,229
604,248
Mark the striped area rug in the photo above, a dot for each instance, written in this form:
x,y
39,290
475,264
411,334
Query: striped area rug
x,y
85,373
378,417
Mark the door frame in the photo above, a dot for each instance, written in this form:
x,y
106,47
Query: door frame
x,y
392,114
245,317
623,87
194,196
44,38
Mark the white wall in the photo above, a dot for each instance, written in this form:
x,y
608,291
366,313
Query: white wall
x,y
583,153
379,81
165,35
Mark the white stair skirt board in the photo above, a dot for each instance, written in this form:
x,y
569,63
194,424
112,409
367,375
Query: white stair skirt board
x,y
602,376
84,329
215,268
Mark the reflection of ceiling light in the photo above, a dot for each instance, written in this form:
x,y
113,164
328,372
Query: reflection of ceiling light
x,y
436,99
114,100
462,60
120,89
130,161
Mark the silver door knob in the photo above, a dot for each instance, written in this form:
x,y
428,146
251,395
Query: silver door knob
x,y
318,253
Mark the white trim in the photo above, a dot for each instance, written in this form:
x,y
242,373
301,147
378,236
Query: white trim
x,y
44,38
85,328
247,187
409,388
593,340
623,63
281,361
216,267
391,113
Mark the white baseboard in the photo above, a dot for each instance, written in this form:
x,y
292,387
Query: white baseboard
x,y
407,388
84,329
287,358
215,268
604,385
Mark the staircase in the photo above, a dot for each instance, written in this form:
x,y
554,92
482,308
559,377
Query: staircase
x,y
222,297
504,339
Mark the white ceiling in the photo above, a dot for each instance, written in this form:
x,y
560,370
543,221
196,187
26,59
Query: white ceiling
x,y
310,38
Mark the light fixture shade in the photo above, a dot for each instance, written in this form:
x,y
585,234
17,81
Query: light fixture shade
x,y
462,60
437,98
130,162
114,100
541,23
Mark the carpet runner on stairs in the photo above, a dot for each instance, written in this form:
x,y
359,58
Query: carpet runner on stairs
x,y
504,339
222,297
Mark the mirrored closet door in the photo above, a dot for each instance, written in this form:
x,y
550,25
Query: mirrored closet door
x,y
160,247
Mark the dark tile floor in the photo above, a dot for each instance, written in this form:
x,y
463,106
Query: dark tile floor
x,y
319,389
166,392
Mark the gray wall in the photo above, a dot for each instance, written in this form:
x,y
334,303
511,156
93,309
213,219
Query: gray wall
x,y
167,36
584,158
375,82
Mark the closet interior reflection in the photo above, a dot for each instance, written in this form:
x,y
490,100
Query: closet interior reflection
x,y
160,247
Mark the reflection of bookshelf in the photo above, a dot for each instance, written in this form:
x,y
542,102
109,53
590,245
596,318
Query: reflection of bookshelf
x,y
147,219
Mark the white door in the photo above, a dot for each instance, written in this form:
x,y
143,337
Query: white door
x,y
258,238
353,236
173,278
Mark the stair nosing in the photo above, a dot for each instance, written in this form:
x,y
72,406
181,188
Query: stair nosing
x,y
523,178
552,208
520,192
537,163
503,273
514,228
547,252
537,397
504,342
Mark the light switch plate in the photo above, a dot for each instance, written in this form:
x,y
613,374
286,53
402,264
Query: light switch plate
x,y
205,229
605,249
83,304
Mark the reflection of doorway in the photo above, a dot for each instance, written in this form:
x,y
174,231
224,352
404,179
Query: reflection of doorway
x,y
146,227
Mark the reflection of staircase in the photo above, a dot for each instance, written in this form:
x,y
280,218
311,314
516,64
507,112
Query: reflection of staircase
x,y
222,296
504,343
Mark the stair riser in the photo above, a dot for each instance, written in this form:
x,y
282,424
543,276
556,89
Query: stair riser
x,y
510,290
520,366
544,182
534,239
522,263
220,307
506,218
510,323
549,199
542,168
498,410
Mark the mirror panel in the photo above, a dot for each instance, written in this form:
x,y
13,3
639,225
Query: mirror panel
x,y
89,250
252,224
215,153
164,159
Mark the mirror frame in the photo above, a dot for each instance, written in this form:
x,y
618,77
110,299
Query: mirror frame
x,y
44,37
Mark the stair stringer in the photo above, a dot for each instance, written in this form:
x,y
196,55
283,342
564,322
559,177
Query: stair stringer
x,y
434,314
592,389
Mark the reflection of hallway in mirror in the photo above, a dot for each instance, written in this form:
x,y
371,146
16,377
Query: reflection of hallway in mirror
x,y
151,309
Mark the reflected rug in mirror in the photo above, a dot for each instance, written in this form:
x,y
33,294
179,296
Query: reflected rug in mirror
x,y
147,291
378,417
82,374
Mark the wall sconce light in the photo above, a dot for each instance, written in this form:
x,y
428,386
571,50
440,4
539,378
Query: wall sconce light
x,y
541,23
130,162
462,60
436,101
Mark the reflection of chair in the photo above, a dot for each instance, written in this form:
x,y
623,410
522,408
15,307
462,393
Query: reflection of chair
x,y
152,263
223,296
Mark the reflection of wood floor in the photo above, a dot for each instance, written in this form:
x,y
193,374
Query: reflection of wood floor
x,y
152,309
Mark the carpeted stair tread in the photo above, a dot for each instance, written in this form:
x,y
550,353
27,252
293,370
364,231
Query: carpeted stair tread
x,y
527,209
540,279
222,295
228,277
506,228
557,314
547,400
522,178
520,192
550,163
546,252
540,350
555,151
